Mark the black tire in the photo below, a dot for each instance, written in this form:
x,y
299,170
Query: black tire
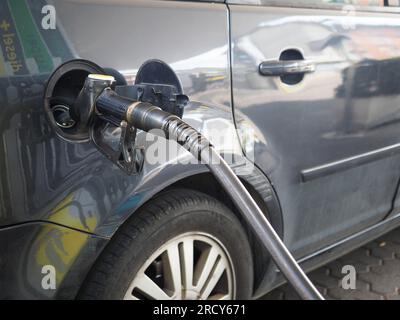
x,y
163,218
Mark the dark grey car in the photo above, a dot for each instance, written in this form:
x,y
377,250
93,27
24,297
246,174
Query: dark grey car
x,y
307,91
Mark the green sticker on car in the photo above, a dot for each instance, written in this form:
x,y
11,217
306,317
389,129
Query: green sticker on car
x,y
36,52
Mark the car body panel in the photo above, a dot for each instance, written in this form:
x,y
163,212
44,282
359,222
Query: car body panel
x,y
337,127
27,251
45,172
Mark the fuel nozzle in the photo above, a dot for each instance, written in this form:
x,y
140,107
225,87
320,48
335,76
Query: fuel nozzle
x,y
82,110
98,98
98,106
141,115
105,107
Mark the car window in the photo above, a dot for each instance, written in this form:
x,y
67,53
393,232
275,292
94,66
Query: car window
x,y
393,3
354,2
316,3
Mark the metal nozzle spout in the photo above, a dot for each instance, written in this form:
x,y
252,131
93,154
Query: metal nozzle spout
x,y
83,109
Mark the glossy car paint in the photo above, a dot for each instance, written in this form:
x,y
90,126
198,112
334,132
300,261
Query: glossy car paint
x,y
61,202
332,139
28,249
50,168
50,183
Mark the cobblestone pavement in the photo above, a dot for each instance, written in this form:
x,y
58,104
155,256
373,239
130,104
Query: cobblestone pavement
x,y
378,273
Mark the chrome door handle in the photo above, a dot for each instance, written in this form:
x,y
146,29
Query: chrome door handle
x,y
286,67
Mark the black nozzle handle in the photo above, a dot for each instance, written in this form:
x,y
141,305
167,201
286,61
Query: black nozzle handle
x,y
111,105
145,116
141,115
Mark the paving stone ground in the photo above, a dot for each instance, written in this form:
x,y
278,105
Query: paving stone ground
x,y
377,266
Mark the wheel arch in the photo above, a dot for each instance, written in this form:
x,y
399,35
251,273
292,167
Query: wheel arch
x,y
261,190
206,183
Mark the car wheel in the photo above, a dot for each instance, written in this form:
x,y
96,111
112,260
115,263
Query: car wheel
x,y
180,245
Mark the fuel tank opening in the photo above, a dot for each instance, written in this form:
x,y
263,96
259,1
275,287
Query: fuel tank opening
x,y
63,117
62,90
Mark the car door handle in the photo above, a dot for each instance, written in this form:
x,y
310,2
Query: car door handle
x,y
286,67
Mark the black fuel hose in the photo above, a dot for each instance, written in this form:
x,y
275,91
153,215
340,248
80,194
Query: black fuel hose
x,y
146,117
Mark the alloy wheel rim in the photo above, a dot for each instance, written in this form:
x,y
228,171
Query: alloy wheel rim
x,y
192,266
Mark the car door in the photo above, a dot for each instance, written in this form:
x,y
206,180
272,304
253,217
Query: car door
x,y
320,81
